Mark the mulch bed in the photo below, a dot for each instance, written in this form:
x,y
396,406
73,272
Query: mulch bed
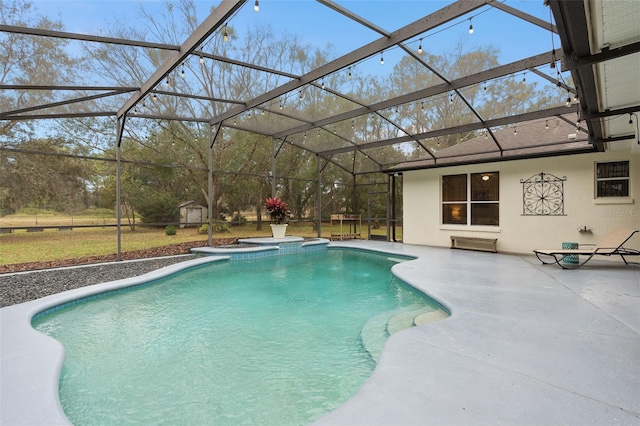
x,y
170,250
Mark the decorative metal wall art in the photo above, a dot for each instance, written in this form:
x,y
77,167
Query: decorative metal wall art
x,y
543,195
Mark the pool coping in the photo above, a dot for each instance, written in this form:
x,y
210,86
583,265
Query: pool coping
x,y
477,366
263,247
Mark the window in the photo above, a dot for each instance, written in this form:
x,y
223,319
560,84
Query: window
x,y
471,199
612,179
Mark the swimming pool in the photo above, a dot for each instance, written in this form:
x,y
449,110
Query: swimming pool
x,y
274,341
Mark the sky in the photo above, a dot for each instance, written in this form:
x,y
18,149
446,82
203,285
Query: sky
x,y
318,25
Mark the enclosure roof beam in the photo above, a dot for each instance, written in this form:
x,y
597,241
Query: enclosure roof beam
x,y
630,136
555,81
169,117
200,97
360,20
60,115
606,55
220,14
258,132
8,114
609,113
213,139
520,118
426,23
283,114
85,37
522,15
501,71
245,64
45,87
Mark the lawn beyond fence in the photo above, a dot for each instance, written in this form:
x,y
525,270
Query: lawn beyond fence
x,y
51,244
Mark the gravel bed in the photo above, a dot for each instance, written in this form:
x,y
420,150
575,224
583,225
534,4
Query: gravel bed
x,y
24,286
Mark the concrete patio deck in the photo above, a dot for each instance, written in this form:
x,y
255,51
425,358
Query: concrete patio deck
x,y
525,344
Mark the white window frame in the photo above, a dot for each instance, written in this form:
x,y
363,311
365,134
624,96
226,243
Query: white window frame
x,y
604,199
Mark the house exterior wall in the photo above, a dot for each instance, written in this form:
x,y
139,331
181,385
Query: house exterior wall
x,y
518,233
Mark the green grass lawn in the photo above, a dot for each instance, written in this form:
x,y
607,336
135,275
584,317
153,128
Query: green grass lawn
x,y
51,244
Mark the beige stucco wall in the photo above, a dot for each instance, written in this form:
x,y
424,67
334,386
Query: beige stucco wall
x,y
518,233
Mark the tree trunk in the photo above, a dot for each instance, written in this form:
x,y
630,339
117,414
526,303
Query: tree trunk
x,y
129,213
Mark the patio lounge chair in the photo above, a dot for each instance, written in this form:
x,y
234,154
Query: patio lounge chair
x,y
611,245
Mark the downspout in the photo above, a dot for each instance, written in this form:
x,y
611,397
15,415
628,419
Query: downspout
x,y
393,207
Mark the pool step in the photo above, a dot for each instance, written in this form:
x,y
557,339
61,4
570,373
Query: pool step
x,y
429,317
376,331
406,319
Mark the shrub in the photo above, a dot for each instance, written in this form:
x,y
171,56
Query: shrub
x,y
238,220
170,230
218,228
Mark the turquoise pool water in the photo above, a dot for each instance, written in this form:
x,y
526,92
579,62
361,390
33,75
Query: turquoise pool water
x,y
277,340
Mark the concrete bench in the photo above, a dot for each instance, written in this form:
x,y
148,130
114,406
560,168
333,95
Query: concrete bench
x,y
345,236
474,243
35,229
65,228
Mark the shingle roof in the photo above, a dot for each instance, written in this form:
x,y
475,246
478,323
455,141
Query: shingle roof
x,y
538,138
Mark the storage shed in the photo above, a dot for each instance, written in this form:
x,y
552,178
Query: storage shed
x,y
192,214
